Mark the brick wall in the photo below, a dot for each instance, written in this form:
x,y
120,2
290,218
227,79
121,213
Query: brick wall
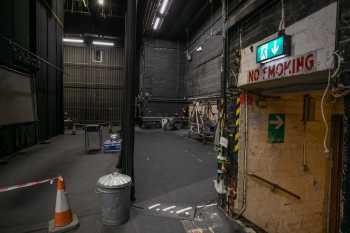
x,y
283,164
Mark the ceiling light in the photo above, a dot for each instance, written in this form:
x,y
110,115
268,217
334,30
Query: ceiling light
x,y
103,43
274,58
163,7
199,49
73,40
100,2
156,23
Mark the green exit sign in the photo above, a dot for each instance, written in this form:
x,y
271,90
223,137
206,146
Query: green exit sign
x,y
273,49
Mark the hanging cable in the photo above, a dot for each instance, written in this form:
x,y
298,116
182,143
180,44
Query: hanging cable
x,y
331,76
282,22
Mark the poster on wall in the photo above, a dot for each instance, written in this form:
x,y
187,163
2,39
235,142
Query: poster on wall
x,y
276,127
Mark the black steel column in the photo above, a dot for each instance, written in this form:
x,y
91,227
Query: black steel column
x,y
345,222
127,154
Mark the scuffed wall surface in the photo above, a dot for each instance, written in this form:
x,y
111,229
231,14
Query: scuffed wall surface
x,y
283,164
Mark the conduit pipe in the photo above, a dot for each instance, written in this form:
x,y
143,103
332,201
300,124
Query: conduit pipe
x,y
245,156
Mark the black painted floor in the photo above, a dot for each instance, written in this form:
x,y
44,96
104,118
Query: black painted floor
x,y
169,168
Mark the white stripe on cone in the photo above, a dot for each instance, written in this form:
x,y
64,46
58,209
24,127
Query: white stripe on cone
x,y
61,202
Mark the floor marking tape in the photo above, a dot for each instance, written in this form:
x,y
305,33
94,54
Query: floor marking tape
x,y
183,210
201,206
169,208
154,206
30,184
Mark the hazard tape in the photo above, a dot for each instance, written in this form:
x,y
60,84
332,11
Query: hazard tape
x,y
30,184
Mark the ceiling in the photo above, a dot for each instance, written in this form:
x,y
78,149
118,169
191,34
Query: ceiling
x,y
182,15
87,17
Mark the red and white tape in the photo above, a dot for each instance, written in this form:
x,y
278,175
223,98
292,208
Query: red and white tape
x,y
30,184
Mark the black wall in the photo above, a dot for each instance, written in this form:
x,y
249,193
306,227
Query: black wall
x,y
161,77
27,28
49,33
94,91
202,73
162,68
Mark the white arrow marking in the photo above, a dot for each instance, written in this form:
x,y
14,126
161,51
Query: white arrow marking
x,y
278,122
275,48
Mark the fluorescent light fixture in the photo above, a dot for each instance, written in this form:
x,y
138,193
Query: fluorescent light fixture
x,y
101,2
275,58
103,43
164,6
156,23
73,40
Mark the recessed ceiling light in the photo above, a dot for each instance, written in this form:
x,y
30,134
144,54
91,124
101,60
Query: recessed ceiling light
x,y
101,2
156,23
73,40
103,43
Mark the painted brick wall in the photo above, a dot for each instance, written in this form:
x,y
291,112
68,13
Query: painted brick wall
x,y
275,211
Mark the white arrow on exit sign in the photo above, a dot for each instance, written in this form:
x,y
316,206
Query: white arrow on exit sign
x,y
275,48
278,122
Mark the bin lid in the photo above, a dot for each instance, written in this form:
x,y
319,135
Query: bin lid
x,y
114,180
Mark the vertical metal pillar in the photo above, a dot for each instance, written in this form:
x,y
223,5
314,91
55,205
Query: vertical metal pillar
x,y
343,46
345,221
127,155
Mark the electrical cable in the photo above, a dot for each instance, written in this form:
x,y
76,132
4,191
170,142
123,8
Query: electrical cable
x,y
330,77
325,138
282,22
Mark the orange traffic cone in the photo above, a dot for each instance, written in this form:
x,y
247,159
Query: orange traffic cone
x,y
64,219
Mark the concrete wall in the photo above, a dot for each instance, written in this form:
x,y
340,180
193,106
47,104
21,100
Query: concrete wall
x,y
202,73
283,164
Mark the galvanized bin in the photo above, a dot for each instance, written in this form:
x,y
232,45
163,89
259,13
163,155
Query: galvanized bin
x,y
114,194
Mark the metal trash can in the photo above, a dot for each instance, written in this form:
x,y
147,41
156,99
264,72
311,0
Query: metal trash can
x,y
114,194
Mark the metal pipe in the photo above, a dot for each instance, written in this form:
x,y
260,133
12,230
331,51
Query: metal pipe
x,y
212,96
10,41
244,204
